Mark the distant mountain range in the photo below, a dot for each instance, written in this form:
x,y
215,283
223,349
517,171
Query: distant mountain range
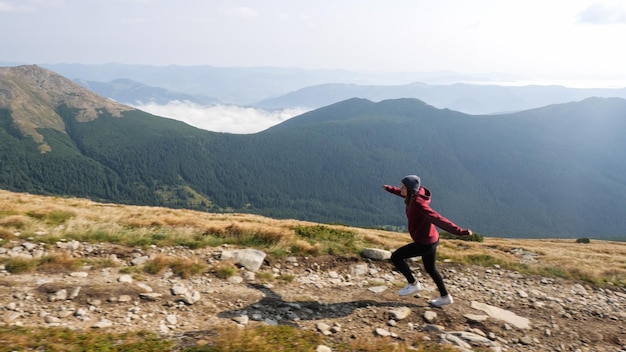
x,y
127,91
281,88
555,171
467,98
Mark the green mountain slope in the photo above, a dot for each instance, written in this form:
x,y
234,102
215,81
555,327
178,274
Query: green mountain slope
x,y
554,171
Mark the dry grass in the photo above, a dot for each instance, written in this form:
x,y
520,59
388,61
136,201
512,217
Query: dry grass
x,y
50,219
598,262
180,266
286,338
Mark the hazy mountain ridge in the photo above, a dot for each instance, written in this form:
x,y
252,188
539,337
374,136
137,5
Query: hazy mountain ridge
x,y
280,88
553,171
467,98
230,85
127,91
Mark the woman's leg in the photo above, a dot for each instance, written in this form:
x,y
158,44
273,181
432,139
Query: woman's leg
x,y
399,257
429,265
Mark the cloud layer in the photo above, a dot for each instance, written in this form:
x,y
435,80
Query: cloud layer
x,y
221,118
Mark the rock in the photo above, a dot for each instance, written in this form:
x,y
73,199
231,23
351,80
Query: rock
x,y
270,322
358,270
375,254
144,287
9,317
323,348
236,279
126,279
29,246
241,319
171,319
139,260
456,341
321,327
79,274
382,332
430,316
251,259
51,319
579,289
74,293
190,298
102,324
60,295
400,313
151,296
502,314
525,340
377,289
475,318
124,299
179,290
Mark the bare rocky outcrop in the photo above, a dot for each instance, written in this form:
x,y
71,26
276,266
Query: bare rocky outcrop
x,y
341,298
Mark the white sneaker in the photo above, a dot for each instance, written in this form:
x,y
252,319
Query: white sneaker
x,y
409,289
442,301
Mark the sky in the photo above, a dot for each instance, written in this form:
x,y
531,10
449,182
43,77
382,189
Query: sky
x,y
535,40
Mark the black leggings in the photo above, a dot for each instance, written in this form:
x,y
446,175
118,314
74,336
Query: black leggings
x,y
428,252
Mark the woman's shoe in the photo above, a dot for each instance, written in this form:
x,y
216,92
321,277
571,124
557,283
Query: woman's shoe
x,y
442,301
409,289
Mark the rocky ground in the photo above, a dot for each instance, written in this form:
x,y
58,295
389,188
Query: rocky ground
x,y
343,298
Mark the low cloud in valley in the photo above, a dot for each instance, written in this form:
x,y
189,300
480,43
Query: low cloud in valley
x,y
221,118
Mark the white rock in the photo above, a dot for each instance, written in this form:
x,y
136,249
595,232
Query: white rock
x,y
382,332
171,319
323,348
377,289
251,259
127,279
400,313
79,274
242,319
376,254
102,324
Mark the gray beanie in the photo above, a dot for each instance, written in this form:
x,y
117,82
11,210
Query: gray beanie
x,y
412,183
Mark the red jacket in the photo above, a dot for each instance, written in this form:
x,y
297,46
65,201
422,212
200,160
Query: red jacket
x,y
423,219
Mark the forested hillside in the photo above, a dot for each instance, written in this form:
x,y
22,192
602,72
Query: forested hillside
x,y
549,172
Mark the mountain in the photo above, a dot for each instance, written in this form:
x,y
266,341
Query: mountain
x,y
555,171
230,85
282,88
127,91
468,98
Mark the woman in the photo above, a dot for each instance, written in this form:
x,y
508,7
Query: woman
x,y
421,222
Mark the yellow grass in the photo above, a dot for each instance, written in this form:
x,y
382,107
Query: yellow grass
x,y
40,218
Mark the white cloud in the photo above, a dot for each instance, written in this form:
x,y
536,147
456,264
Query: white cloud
x,y
241,12
221,118
603,13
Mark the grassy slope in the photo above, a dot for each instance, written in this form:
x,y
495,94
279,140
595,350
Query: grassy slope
x,y
50,219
